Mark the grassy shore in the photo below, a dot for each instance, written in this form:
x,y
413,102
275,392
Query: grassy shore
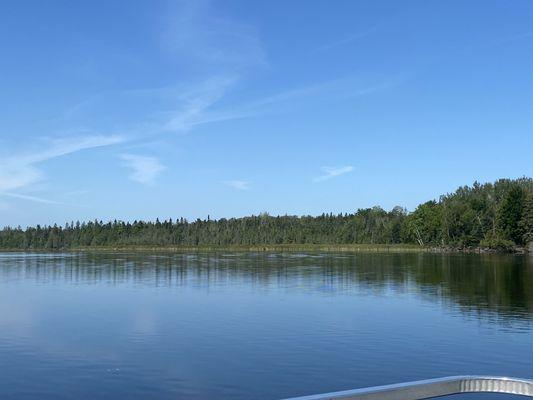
x,y
367,248
272,248
333,248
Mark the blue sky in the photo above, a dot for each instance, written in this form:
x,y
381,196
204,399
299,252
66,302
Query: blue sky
x,y
145,109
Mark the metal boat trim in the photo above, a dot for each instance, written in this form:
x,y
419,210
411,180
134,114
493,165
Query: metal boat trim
x,y
429,388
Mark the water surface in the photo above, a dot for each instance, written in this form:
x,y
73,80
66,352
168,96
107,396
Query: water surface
x,y
256,326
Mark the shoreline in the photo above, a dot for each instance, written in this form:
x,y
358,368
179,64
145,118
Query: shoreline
x,y
328,248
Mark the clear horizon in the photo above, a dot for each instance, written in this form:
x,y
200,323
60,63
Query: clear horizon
x,y
194,108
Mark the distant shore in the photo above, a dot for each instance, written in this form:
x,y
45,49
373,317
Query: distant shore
x,y
355,248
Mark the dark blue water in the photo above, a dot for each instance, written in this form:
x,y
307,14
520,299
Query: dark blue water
x,y
256,326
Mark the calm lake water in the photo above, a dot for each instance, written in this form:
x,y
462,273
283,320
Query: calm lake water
x,y
256,326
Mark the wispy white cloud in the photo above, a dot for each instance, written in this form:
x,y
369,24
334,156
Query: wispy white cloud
x,y
195,104
297,98
213,52
182,108
219,49
153,111
67,145
145,169
323,91
333,172
221,52
210,41
21,170
237,184
35,199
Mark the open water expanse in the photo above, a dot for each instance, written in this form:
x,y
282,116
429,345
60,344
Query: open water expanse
x,y
256,325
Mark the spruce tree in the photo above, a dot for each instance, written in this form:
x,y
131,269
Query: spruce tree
x,y
510,214
527,219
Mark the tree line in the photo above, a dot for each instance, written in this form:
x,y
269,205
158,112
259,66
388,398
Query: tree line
x,y
494,215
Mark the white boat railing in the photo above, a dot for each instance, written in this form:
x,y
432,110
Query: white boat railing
x,y
432,388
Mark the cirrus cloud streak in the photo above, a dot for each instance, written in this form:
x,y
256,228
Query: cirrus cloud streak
x,y
333,172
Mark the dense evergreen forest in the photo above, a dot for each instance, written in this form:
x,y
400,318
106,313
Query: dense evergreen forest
x,y
493,215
